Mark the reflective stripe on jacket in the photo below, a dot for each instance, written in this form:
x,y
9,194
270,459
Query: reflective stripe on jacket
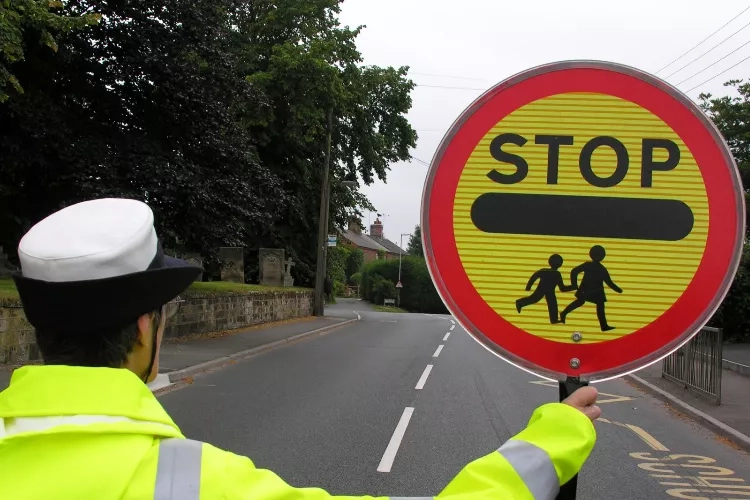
x,y
99,433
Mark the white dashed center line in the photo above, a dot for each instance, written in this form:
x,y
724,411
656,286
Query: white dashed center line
x,y
446,336
390,452
437,352
423,378
452,327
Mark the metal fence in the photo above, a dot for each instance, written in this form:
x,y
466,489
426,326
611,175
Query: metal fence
x,y
698,364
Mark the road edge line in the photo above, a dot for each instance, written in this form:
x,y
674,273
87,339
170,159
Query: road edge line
x,y
178,375
716,426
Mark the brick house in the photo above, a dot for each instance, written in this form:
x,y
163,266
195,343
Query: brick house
x,y
371,244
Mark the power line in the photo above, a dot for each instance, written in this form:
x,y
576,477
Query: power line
x,y
449,76
713,64
709,50
701,42
716,76
420,161
446,87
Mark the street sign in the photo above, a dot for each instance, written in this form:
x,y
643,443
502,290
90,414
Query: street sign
x,y
583,219
399,285
332,240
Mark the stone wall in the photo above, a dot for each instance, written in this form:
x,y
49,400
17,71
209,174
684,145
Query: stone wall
x,y
206,313
17,344
200,313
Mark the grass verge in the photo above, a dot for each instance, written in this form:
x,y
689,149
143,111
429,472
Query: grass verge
x,y
8,288
225,287
390,309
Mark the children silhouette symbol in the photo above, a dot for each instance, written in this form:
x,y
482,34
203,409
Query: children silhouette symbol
x,y
549,279
595,276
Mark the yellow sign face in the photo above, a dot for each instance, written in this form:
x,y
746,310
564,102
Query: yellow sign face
x,y
580,145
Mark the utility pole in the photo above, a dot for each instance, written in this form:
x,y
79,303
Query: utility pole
x,y
398,285
320,268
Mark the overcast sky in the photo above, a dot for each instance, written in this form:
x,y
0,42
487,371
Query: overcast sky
x,y
476,43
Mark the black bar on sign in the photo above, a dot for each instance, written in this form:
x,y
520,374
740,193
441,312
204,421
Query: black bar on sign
x,y
582,216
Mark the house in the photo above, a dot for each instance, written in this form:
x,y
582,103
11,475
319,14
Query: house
x,y
371,244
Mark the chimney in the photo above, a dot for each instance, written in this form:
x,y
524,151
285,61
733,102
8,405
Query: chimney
x,y
354,226
376,229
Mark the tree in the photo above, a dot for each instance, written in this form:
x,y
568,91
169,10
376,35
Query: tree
x,y
418,294
732,117
731,114
212,111
30,21
307,64
415,243
148,104
354,262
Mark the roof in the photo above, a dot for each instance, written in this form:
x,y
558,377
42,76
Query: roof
x,y
377,244
363,241
390,246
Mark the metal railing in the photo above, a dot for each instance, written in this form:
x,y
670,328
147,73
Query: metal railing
x,y
698,364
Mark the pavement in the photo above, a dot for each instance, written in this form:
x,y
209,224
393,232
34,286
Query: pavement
x,y
325,412
734,410
179,358
738,353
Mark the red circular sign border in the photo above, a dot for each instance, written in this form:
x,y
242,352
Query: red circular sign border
x,y
704,293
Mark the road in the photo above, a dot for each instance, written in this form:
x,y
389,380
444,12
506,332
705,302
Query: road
x,y
323,412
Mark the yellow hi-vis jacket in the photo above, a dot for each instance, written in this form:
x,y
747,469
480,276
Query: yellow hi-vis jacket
x,y
76,433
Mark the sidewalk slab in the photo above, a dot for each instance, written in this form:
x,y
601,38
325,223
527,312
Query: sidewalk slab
x,y
178,354
733,413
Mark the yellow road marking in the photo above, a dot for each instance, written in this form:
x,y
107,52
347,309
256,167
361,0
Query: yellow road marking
x,y
612,398
645,436
648,438
701,481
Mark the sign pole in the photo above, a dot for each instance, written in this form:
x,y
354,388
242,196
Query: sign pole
x,y
572,384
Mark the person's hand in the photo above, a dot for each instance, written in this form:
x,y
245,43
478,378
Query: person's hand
x,y
584,400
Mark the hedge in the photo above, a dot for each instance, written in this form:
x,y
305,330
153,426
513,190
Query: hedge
x,y
418,293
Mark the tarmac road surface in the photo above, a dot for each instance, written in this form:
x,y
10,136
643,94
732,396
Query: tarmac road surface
x,y
396,404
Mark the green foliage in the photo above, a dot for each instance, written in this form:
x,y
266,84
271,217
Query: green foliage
x,y
212,111
389,309
339,289
731,114
381,254
336,263
382,289
354,262
415,243
418,293
356,279
31,21
733,315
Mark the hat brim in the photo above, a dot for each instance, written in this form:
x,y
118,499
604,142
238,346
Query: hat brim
x,y
108,303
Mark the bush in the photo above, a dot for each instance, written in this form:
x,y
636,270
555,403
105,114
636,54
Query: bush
x,y
339,289
354,262
356,279
733,315
336,263
383,289
418,293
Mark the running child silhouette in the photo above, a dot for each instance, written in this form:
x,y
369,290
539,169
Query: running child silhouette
x,y
549,279
595,276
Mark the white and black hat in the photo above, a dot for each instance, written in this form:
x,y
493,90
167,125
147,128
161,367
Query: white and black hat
x,y
97,264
